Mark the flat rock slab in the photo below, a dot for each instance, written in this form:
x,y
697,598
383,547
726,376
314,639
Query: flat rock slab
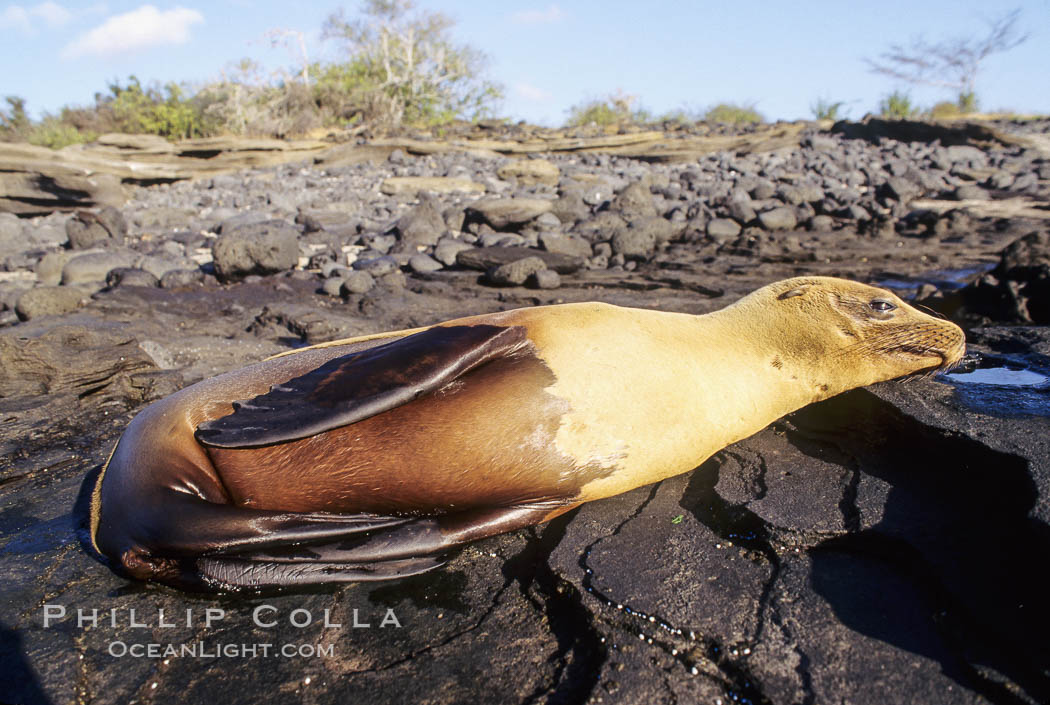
x,y
959,133
410,185
645,145
36,180
486,258
530,171
67,359
1003,208
56,374
351,155
34,189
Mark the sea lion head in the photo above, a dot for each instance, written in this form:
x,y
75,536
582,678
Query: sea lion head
x,y
841,334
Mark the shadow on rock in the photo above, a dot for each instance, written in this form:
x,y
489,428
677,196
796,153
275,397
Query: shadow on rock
x,y
580,652
950,571
18,682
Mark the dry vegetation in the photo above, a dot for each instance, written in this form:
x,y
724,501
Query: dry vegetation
x,y
401,67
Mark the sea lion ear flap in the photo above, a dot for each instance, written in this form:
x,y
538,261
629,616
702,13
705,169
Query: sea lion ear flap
x,y
791,293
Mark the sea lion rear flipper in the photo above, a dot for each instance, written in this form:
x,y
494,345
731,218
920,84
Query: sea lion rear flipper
x,y
165,544
234,573
356,386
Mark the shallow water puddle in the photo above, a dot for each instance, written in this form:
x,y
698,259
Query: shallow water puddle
x,y
1002,389
1002,376
943,279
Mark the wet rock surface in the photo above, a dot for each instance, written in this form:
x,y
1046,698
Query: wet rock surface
x,y
882,546
1016,290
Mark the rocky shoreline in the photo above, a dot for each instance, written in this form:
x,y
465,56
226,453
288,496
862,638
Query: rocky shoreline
x,y
857,550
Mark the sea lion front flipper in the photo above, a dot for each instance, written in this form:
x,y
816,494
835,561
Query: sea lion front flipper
x,y
356,386
421,536
413,547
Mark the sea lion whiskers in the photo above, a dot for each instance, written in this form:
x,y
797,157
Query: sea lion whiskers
x,y
900,336
920,339
930,312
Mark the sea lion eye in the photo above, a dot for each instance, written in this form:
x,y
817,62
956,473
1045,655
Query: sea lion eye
x,y
882,305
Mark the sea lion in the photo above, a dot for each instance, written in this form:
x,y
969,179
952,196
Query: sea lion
x,y
373,457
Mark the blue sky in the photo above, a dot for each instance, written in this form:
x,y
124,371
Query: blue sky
x,y
779,56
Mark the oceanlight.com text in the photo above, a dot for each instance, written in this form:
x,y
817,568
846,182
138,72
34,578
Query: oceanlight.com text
x,y
204,650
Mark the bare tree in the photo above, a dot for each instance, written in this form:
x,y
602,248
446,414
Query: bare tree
x,y
421,73
285,37
951,63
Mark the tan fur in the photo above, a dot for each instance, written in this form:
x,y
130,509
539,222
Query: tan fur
x,y
622,398
701,383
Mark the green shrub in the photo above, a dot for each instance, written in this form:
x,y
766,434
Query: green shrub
x,y
133,108
14,122
52,132
337,96
596,112
616,109
148,111
345,93
733,114
826,110
946,109
96,119
402,67
681,117
897,106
